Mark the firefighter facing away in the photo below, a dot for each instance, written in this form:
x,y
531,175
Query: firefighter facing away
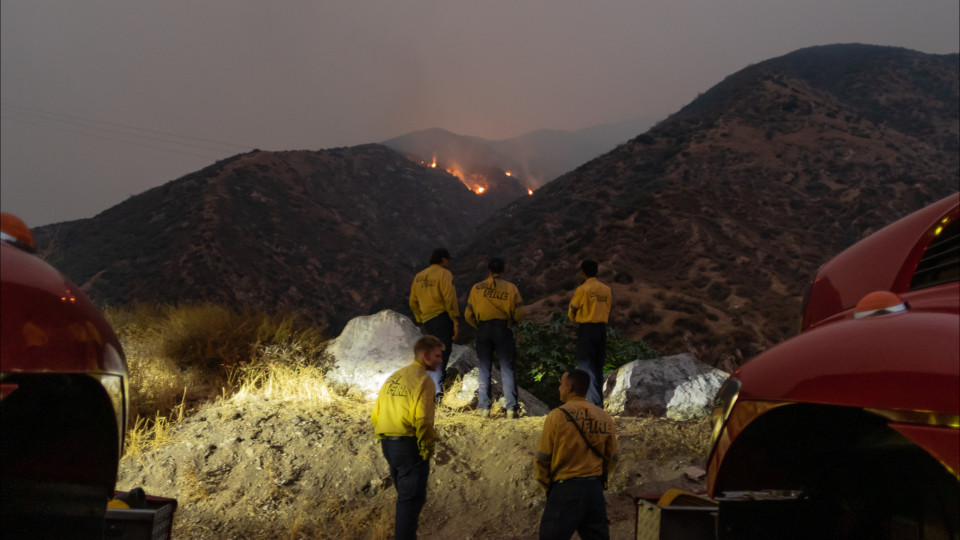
x,y
590,307
494,305
403,421
433,301
576,453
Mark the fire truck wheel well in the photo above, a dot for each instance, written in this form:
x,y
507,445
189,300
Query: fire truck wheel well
x,y
59,428
842,456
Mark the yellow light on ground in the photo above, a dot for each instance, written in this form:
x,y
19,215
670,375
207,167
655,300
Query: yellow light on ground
x,y
529,191
508,173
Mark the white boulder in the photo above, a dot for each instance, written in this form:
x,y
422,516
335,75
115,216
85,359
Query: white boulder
x,y
679,387
370,349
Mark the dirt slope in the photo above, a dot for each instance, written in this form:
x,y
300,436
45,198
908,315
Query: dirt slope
x,y
270,469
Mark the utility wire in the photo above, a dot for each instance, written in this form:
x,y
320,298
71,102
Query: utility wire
x,y
85,134
73,119
108,130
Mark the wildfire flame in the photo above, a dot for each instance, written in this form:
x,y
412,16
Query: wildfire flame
x,y
529,191
508,173
481,189
434,164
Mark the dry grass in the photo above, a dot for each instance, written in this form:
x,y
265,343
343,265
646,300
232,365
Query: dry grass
x,y
149,434
333,518
280,379
192,489
178,356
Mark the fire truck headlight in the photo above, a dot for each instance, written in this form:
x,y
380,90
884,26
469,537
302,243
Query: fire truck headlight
x,y
722,406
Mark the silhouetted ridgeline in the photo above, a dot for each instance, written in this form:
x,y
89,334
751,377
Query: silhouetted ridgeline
x,y
707,225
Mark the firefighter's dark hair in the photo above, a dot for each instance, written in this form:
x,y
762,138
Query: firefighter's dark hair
x,y
589,268
439,255
580,381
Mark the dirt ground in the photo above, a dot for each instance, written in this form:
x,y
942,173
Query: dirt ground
x,y
257,469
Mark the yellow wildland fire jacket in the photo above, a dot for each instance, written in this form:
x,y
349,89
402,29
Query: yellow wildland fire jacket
x,y
562,453
493,299
591,302
432,293
404,408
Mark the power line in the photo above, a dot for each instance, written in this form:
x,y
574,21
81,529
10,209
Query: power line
x,y
60,117
118,132
152,147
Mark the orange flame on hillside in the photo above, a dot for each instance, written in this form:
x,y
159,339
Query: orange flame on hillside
x,y
508,173
434,164
529,191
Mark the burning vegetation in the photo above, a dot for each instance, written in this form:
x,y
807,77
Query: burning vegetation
x,y
479,182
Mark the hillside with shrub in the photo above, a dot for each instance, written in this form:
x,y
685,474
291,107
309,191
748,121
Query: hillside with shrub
x,y
709,225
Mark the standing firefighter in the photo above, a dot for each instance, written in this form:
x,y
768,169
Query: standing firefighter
x,y
577,450
433,301
403,421
590,307
494,305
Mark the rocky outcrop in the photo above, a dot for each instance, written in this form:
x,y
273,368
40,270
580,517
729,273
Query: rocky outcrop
x,y
679,387
370,348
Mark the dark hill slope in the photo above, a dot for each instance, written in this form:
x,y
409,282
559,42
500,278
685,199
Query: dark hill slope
x,y
331,234
708,225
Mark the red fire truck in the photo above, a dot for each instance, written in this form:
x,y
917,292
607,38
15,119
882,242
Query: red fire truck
x,y
852,428
63,378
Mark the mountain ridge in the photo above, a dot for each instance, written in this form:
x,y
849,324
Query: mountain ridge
x,y
707,225
297,231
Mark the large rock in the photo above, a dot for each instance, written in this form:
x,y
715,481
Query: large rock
x,y
371,348
679,387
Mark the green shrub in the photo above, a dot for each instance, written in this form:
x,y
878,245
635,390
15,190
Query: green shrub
x,y
546,349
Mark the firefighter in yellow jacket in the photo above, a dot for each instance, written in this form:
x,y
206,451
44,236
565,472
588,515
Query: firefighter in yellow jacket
x,y
590,307
494,305
576,453
403,421
433,301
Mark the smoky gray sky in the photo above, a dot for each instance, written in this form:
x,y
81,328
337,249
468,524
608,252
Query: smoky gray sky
x,y
102,100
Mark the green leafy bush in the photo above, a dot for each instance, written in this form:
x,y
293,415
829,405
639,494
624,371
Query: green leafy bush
x,y
546,349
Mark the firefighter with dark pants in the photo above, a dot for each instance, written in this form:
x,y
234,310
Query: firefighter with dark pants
x,y
403,421
590,307
433,301
576,453
493,306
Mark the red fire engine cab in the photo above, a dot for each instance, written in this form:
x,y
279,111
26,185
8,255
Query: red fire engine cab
x,y
852,428
64,399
